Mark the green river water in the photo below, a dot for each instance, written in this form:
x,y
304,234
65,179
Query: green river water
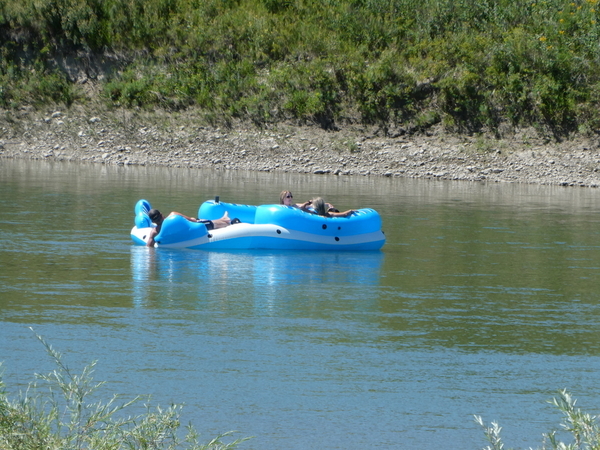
x,y
484,300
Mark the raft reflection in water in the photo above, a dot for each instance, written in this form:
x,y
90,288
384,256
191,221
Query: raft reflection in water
x,y
176,275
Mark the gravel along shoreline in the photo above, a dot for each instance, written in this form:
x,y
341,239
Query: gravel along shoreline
x,y
176,140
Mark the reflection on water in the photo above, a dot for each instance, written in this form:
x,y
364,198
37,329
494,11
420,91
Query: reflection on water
x,y
165,275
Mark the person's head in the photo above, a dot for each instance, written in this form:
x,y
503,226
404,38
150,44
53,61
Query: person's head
x,y
155,216
286,198
319,206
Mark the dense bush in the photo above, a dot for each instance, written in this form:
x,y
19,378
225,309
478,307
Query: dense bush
x,y
469,65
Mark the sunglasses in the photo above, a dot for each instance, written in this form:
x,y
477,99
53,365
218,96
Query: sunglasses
x,y
289,196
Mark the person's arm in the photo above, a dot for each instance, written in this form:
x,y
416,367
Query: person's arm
x,y
304,206
151,236
341,214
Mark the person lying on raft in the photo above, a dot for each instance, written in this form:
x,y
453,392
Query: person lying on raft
x,y
286,198
158,218
327,210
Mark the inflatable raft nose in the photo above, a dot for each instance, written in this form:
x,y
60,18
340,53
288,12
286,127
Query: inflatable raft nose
x,y
142,220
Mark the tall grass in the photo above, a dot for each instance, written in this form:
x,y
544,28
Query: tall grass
x,y
56,413
472,66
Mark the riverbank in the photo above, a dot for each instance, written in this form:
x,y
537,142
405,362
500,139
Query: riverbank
x,y
129,137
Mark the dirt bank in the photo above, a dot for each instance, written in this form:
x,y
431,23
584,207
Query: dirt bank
x,y
126,137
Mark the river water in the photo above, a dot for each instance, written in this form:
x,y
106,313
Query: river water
x,y
484,301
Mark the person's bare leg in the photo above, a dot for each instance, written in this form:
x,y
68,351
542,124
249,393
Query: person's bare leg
x,y
223,221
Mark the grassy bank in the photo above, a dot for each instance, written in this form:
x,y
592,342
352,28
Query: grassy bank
x,y
406,65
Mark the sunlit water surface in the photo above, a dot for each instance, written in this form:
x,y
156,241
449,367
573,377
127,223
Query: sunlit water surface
x,y
484,300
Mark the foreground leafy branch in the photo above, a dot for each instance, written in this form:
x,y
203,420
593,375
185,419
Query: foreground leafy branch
x,y
583,427
55,413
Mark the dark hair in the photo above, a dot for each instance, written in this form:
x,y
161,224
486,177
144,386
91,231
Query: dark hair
x,y
154,215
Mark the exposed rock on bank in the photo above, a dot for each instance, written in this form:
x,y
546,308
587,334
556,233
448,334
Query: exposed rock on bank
x,y
177,140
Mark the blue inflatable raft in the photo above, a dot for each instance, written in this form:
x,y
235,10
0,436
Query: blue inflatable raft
x,y
276,227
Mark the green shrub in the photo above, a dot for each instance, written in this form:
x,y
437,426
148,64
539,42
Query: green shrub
x,y
55,413
308,91
584,428
384,62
